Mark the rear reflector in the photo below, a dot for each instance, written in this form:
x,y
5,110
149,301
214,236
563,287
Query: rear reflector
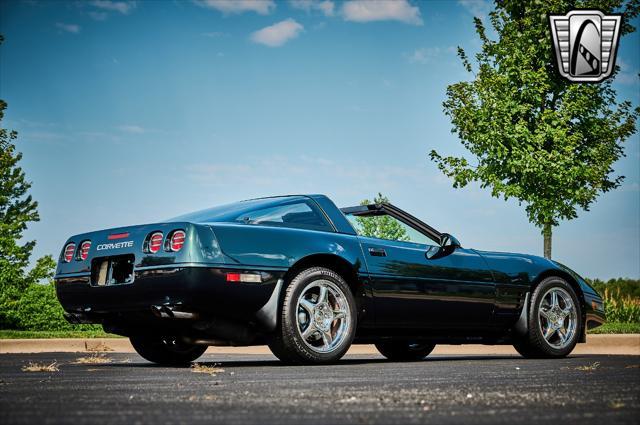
x,y
177,240
117,236
244,277
155,242
84,250
69,250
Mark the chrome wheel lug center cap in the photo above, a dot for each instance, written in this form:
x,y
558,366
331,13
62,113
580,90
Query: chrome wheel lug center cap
x,y
323,316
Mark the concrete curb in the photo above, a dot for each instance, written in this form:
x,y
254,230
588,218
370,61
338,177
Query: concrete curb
x,y
627,344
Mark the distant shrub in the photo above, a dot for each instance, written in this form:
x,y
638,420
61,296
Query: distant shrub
x,y
39,310
623,287
619,308
621,299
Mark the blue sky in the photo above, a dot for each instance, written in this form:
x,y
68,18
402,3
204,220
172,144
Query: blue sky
x,y
132,112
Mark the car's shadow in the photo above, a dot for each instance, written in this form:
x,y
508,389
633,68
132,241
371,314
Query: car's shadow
x,y
250,362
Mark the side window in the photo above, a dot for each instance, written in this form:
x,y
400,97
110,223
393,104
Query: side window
x,y
387,227
301,215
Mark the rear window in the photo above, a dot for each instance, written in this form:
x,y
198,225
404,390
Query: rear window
x,y
301,214
297,212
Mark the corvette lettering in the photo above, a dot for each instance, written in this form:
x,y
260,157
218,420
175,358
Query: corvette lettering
x,y
118,245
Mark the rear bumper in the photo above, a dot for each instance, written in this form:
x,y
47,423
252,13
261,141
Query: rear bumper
x,y
201,290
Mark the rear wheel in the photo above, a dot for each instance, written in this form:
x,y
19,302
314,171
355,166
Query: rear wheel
x,y
318,319
167,350
554,322
400,351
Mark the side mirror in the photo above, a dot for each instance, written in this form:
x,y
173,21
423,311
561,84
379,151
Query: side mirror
x,y
448,240
448,244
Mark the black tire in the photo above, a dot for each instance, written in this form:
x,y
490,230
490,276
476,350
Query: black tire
x,y
287,343
166,351
404,351
534,344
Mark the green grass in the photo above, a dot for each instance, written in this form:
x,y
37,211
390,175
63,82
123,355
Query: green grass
x,y
617,328
12,334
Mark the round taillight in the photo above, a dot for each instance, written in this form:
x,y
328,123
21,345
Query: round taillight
x,y
177,240
84,250
155,242
69,250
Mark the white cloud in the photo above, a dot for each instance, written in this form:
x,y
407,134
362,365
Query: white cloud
x,y
215,34
427,54
124,7
424,54
229,7
627,74
382,10
98,16
327,7
72,28
305,174
44,136
478,8
133,129
277,34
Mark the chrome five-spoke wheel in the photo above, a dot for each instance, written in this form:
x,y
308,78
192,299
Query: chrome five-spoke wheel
x,y
322,316
318,318
554,322
557,318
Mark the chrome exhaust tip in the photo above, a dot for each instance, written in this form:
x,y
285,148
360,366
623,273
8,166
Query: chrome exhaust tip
x,y
165,311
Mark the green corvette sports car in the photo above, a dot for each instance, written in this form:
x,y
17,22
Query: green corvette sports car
x,y
304,276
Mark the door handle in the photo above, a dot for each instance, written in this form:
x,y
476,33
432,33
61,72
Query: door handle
x,y
377,252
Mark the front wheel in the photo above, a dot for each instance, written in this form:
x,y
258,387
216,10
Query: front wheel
x,y
402,351
168,351
554,322
318,319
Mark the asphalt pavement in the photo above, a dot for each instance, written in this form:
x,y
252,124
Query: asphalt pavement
x,y
360,389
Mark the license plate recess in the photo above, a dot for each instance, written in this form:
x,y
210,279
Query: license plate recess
x,y
115,270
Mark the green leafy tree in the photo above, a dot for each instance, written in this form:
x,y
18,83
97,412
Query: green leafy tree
x,y
39,310
17,209
382,227
532,135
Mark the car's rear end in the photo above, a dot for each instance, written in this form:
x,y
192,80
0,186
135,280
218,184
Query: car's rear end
x,y
154,277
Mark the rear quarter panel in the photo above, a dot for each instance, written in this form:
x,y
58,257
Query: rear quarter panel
x,y
279,247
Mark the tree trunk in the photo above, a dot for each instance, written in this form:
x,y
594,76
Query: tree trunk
x,y
546,232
